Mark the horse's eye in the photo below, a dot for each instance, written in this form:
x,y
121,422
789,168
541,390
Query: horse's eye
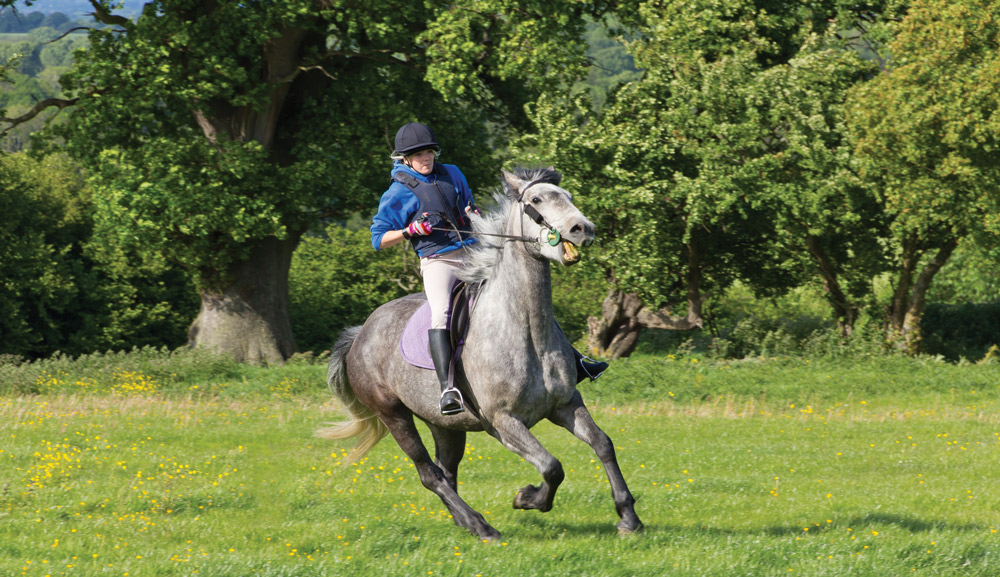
x,y
536,200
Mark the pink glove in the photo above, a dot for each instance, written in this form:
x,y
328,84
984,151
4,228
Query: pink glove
x,y
472,210
421,228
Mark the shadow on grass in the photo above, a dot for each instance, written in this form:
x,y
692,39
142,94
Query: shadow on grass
x,y
908,522
536,526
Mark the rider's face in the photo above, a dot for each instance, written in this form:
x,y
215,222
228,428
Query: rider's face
x,y
422,162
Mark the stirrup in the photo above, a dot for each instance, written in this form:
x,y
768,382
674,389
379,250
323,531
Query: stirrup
x,y
452,406
593,369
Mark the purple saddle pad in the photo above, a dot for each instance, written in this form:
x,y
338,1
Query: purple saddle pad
x,y
413,343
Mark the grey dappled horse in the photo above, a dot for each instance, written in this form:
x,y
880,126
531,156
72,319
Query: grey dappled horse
x,y
517,364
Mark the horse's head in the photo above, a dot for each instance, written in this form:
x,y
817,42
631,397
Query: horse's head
x,y
546,211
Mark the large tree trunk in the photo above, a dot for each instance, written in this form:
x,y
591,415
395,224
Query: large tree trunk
x,y
910,296
248,319
616,332
844,311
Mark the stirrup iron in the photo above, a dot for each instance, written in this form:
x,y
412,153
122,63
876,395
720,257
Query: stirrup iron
x,y
595,368
452,409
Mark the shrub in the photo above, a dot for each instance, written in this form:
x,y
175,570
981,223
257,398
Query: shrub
x,y
965,331
145,370
337,280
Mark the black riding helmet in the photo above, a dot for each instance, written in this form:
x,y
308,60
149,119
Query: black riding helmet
x,y
414,137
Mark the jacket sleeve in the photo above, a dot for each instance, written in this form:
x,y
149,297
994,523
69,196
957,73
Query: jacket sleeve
x,y
395,210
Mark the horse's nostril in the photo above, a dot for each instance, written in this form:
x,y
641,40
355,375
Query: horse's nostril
x,y
576,228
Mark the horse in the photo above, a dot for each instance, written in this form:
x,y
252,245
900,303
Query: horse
x,y
517,366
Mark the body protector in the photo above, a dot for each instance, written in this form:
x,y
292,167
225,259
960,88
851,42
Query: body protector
x,y
439,207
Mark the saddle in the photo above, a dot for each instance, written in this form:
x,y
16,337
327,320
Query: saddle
x,y
413,343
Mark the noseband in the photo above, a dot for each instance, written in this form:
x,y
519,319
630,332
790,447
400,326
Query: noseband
x,y
553,235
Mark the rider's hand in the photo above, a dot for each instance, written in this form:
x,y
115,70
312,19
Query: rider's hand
x,y
421,228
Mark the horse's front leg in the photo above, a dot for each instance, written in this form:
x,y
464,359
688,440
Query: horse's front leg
x,y
515,436
575,417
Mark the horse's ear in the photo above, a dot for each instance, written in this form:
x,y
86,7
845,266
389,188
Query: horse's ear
x,y
515,183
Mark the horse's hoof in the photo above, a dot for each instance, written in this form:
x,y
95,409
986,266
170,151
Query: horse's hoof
x,y
527,498
630,528
531,497
489,534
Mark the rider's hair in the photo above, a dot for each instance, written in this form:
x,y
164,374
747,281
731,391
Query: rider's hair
x,y
395,156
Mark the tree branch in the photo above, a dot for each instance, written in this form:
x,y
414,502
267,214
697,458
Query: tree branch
x,y
373,55
102,15
72,30
37,109
662,319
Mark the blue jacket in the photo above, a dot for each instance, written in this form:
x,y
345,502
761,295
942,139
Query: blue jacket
x,y
399,205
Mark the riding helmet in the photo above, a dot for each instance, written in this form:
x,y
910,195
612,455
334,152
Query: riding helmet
x,y
414,137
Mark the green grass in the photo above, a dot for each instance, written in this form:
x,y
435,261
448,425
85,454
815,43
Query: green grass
x,y
778,467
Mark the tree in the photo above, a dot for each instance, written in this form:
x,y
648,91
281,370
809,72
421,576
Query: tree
x,y
724,161
926,133
61,291
219,132
38,278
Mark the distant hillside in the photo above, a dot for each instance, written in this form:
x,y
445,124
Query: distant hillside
x,y
74,8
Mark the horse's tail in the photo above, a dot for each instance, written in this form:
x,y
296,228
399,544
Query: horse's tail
x,y
362,423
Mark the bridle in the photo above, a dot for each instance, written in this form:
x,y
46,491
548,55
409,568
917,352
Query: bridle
x,y
549,233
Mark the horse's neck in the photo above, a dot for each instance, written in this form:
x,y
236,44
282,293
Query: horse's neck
x,y
522,289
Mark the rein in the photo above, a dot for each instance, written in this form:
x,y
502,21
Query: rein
x,y
507,236
553,237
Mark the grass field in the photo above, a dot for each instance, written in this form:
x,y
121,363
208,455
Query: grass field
x,y
782,467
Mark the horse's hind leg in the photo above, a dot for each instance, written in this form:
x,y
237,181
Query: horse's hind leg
x,y
399,420
515,436
449,448
575,417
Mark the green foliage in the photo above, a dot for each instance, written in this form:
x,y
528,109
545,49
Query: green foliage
x,y
961,331
577,293
501,53
38,270
742,325
925,139
181,171
61,292
926,129
337,280
727,156
157,200
721,160
971,275
144,300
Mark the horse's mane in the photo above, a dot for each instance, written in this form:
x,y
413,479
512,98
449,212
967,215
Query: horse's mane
x,y
483,257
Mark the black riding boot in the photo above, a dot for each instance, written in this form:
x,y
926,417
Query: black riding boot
x,y
588,368
439,341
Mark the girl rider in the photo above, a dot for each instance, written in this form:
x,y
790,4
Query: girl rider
x,y
427,204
